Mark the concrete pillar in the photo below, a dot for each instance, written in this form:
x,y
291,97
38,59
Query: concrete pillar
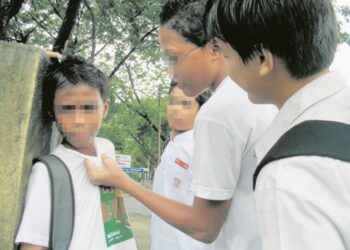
x,y
23,136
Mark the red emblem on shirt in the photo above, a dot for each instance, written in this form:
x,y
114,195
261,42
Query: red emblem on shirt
x,y
181,163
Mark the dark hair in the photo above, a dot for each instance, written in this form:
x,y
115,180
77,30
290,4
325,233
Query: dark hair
x,y
186,18
302,33
200,99
73,70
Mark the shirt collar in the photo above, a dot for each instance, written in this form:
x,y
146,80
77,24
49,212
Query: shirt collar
x,y
227,80
77,158
309,95
185,136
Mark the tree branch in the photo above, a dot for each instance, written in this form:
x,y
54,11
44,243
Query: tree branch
x,y
93,35
39,23
101,49
143,145
133,85
144,116
7,12
68,24
131,51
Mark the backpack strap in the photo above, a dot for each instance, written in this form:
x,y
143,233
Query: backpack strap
x,y
310,138
62,202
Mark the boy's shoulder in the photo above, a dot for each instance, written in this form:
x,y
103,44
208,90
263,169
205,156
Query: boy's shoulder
x,y
103,142
228,104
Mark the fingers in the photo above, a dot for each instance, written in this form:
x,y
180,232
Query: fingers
x,y
91,170
106,175
89,165
109,162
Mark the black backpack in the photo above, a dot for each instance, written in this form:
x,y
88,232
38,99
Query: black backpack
x,y
62,202
310,138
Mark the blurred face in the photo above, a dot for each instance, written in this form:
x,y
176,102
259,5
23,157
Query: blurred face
x,y
181,110
79,110
188,64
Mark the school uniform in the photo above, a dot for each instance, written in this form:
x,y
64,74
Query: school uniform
x,y
173,179
89,232
226,129
303,202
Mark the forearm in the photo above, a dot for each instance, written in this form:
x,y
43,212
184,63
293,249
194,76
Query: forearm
x,y
201,221
173,212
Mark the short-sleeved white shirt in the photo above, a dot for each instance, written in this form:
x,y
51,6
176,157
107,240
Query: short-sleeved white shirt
x,y
88,233
303,202
226,128
173,179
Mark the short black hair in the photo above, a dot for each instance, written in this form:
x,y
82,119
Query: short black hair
x,y
200,99
72,70
303,33
186,18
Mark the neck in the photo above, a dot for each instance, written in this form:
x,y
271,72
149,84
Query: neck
x,y
282,85
91,151
295,86
222,74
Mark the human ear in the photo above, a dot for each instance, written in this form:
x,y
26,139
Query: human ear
x,y
214,49
266,63
106,108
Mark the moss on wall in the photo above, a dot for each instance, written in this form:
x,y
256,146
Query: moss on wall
x,y
23,136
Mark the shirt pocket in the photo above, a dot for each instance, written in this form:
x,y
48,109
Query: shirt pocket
x,y
177,183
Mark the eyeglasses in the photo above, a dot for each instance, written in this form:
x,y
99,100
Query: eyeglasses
x,y
176,59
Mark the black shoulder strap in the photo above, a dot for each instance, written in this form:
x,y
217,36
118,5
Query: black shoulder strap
x,y
62,202
317,138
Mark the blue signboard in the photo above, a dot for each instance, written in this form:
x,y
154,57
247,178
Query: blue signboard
x,y
134,170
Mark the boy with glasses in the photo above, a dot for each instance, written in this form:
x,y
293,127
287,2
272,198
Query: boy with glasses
x,y
225,131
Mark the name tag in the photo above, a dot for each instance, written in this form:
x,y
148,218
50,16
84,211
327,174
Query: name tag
x,y
182,164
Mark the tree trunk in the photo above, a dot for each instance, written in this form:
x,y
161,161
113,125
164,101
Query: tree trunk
x,y
68,24
8,11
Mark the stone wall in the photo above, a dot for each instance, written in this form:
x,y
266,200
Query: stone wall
x,y
23,135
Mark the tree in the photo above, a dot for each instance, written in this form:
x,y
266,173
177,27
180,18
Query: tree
x,y
121,38
8,10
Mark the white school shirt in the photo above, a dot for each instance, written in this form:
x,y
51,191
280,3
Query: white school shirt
x,y
303,202
172,179
226,128
88,233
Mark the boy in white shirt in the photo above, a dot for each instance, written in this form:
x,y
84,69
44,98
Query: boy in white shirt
x,y
76,95
226,129
280,53
174,174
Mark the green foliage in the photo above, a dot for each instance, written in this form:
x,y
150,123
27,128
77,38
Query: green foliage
x,y
121,38
345,12
131,134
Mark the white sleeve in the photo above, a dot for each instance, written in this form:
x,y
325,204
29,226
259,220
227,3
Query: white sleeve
x,y
216,160
35,224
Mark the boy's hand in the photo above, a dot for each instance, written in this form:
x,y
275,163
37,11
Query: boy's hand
x,y
109,174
